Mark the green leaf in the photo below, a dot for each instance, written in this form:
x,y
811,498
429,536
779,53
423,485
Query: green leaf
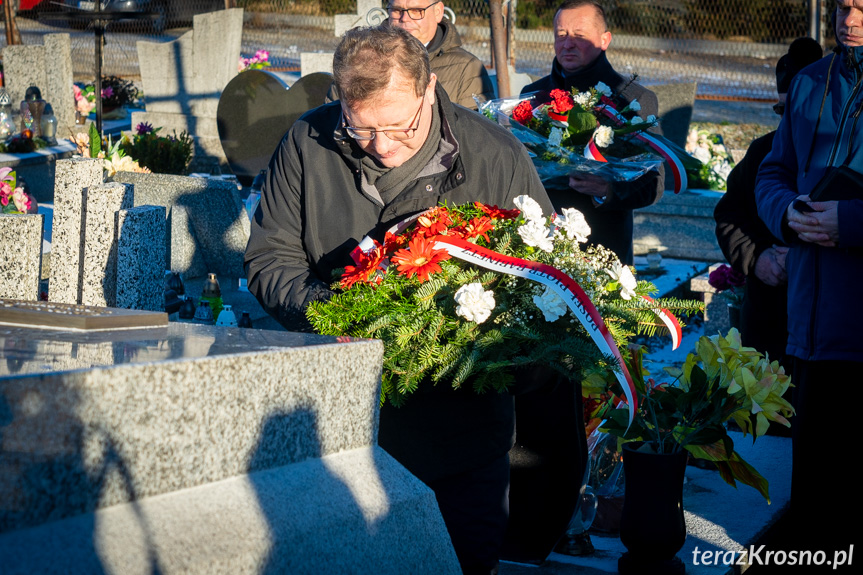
x,y
95,141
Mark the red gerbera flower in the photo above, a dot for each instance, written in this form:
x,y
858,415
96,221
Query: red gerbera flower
x,y
420,259
497,213
476,227
368,265
433,223
523,113
393,242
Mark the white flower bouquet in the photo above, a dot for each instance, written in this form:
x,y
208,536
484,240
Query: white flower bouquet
x,y
466,294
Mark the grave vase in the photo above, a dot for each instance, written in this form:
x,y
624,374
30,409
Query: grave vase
x,y
652,526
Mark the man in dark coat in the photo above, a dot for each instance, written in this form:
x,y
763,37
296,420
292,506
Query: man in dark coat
x,y
746,242
818,139
461,74
394,146
581,38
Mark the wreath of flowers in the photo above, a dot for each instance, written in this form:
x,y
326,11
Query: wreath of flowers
x,y
443,319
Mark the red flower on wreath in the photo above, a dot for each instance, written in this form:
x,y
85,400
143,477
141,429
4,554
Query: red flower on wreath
x,y
369,263
420,259
562,101
523,113
476,227
433,223
497,213
393,242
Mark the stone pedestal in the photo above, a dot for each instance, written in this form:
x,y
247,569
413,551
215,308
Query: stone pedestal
x,y
141,258
198,449
73,176
99,253
20,256
209,227
716,318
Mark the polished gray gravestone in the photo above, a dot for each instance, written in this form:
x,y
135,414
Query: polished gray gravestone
x,y
256,110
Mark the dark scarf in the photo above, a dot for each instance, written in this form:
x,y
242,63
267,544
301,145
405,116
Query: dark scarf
x,y
599,70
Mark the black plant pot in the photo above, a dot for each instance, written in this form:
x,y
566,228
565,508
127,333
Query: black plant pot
x,y
652,527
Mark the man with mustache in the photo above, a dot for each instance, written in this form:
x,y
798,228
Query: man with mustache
x,y
581,38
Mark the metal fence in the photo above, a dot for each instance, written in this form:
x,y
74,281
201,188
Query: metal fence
x,y
728,46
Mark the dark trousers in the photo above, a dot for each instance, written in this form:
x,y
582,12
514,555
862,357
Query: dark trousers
x,y
825,499
475,508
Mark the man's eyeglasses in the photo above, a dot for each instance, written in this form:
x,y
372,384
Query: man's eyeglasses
x,y
414,13
779,108
399,135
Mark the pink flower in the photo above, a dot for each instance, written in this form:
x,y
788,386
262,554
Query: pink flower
x,y
107,92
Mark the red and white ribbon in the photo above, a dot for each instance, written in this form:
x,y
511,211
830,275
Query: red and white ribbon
x,y
670,322
681,182
591,152
564,286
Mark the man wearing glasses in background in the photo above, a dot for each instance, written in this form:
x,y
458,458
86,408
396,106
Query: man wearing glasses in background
x,y
460,73
394,146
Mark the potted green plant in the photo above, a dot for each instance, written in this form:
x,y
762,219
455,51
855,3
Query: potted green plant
x,y
721,381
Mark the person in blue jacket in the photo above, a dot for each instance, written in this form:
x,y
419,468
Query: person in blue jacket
x,y
821,136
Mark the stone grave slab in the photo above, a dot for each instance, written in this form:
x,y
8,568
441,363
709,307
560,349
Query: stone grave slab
x,y
201,449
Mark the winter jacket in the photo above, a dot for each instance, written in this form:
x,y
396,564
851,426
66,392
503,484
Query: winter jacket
x,y
819,131
314,211
461,73
611,221
743,237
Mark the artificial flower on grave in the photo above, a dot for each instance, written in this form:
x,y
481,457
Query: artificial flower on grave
x,y
85,98
13,198
688,409
716,162
91,145
728,282
115,92
591,131
468,294
259,61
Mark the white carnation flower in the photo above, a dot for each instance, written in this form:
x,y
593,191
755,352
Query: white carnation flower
x,y
529,208
603,89
582,99
623,276
474,303
636,120
550,304
535,234
702,154
603,136
634,106
651,119
573,223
